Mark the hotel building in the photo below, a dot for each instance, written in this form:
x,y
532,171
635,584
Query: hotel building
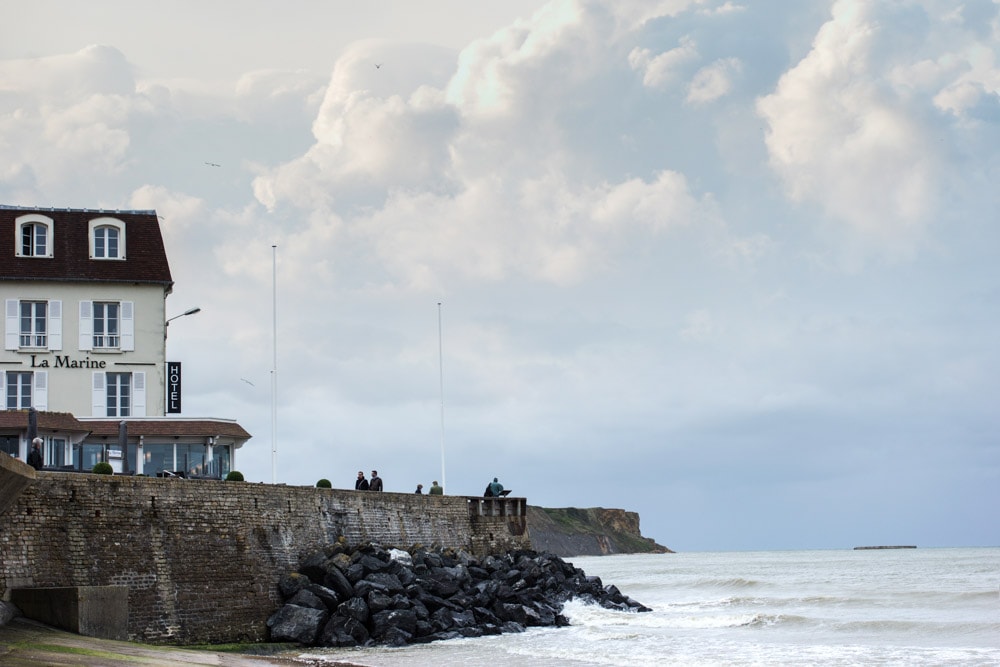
x,y
84,362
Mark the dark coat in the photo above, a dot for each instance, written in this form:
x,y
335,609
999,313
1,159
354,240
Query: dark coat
x,y
35,459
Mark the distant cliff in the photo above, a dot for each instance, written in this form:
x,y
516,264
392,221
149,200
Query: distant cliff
x,y
595,531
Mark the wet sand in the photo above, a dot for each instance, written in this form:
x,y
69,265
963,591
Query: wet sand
x,y
24,642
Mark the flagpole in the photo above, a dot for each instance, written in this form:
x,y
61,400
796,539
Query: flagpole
x,y
441,381
274,364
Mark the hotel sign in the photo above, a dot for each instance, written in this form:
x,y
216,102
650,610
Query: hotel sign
x,y
173,387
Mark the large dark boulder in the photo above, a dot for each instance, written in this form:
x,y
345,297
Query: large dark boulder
x,y
333,578
343,631
390,583
355,608
327,595
344,597
305,598
378,601
292,623
291,583
385,621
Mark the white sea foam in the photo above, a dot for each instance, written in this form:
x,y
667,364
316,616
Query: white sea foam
x,y
923,607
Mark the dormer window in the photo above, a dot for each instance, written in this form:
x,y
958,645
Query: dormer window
x,y
34,236
107,239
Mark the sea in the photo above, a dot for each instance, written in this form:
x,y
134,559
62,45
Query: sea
x,y
833,607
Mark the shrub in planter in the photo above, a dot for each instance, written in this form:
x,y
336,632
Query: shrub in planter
x,y
102,468
324,484
234,476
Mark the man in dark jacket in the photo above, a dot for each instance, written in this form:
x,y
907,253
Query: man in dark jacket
x,y
35,455
362,483
376,483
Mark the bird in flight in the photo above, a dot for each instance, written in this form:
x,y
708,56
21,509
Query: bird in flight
x,y
212,164
378,65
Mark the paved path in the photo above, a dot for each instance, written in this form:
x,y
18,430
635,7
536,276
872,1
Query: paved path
x,y
24,642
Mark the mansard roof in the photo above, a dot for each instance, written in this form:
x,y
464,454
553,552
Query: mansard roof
x,y
17,420
54,421
167,426
145,256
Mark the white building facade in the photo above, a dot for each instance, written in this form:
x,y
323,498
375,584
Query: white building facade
x,y
84,347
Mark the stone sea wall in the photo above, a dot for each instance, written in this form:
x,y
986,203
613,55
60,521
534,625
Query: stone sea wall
x,y
202,559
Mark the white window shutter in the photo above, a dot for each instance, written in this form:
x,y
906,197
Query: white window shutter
x,y
139,394
40,392
128,327
100,395
55,325
86,325
12,333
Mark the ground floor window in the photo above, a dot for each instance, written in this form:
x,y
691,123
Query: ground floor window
x,y
221,461
122,461
9,444
87,456
191,459
157,458
55,452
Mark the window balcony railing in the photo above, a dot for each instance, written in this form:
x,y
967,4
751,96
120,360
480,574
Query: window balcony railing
x,y
106,342
34,340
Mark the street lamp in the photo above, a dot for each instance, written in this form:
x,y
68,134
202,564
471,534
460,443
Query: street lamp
x,y
189,311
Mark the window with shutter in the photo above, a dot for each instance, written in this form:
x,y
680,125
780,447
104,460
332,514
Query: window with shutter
x,y
55,325
99,399
86,326
41,393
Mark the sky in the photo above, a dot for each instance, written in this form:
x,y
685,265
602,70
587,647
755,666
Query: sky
x,y
729,264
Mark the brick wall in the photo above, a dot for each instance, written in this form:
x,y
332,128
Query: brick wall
x,y
202,559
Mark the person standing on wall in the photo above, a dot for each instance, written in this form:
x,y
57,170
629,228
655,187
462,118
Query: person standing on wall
x,y
436,490
376,483
362,483
420,488
35,455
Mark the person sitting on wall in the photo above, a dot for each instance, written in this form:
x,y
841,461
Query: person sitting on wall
x,y
494,489
436,490
420,488
362,483
35,455
376,483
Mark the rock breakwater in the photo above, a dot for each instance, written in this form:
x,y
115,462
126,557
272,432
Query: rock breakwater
x,y
371,595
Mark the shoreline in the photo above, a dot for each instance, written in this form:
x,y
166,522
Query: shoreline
x,y
24,642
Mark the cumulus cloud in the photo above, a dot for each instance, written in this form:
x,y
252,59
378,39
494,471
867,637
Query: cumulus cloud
x,y
712,82
664,68
853,125
425,176
65,116
94,70
839,137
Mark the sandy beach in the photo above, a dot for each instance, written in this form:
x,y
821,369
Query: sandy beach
x,y
25,642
